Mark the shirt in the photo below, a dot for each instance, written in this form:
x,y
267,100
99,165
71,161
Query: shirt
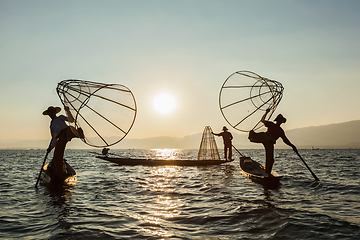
x,y
274,130
227,137
56,125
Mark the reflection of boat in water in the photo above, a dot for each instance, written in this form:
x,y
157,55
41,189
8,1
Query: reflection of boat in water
x,y
159,162
49,177
256,172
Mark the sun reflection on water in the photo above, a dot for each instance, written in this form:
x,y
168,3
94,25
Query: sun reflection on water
x,y
166,172
157,232
166,207
162,204
162,209
168,154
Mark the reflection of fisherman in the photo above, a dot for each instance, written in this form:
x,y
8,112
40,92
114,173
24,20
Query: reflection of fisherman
x,y
61,133
227,137
268,139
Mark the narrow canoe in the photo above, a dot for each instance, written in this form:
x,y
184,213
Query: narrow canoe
x,y
156,162
50,178
256,172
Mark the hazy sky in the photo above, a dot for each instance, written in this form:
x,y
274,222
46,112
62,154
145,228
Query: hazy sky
x,y
183,48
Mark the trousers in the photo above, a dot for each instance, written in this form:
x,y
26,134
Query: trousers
x,y
268,142
226,151
63,138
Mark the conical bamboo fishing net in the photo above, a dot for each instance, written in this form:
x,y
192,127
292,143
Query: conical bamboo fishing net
x,y
208,149
244,98
105,112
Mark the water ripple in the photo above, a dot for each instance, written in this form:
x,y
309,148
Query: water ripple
x,y
215,202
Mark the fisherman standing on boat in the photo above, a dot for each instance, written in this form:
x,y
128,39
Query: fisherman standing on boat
x,y
61,133
268,139
227,137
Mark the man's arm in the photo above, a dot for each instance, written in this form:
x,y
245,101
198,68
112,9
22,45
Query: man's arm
x,y
263,118
287,142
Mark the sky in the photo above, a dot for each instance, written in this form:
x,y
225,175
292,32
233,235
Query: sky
x,y
183,49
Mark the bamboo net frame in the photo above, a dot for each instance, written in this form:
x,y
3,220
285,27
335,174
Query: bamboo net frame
x,y
208,149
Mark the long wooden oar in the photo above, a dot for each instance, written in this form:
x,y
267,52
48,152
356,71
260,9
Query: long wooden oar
x,y
47,153
242,155
316,178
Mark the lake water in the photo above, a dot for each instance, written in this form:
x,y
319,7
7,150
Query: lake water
x,y
172,202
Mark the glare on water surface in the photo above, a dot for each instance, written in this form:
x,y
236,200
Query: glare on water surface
x,y
170,154
163,206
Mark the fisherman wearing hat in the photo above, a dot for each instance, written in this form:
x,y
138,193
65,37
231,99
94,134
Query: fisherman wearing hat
x,y
61,133
268,139
227,137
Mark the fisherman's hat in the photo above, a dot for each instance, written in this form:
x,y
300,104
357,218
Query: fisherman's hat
x,y
225,128
51,108
280,118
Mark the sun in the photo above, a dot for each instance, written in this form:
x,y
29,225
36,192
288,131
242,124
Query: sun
x,y
164,103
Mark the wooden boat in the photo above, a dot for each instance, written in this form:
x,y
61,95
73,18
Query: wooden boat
x,y
48,177
256,172
158,162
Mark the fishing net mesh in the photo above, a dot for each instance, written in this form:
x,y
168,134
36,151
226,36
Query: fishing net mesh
x,y
208,149
105,112
244,98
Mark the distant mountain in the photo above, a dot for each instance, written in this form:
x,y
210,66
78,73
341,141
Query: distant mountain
x,y
187,142
340,135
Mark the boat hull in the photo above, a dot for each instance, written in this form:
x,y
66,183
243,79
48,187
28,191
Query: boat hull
x,y
48,177
155,162
256,172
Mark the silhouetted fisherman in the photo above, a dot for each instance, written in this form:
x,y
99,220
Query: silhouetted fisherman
x,y
105,151
61,133
227,138
268,139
